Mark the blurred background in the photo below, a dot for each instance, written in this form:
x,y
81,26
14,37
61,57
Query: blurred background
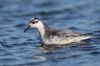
x,y
22,49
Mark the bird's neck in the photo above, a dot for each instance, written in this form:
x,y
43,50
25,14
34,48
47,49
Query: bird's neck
x,y
43,30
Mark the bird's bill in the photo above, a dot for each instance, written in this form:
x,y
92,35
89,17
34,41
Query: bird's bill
x,y
26,28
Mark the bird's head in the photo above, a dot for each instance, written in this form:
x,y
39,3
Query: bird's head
x,y
35,23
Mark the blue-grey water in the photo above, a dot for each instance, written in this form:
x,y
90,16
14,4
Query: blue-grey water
x,y
23,49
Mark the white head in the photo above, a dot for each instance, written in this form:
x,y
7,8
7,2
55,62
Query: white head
x,y
35,23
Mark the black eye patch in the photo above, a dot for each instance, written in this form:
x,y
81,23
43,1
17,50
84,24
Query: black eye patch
x,y
33,22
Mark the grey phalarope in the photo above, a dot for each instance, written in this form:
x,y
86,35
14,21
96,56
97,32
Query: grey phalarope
x,y
55,37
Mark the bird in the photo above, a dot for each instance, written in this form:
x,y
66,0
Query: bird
x,y
50,36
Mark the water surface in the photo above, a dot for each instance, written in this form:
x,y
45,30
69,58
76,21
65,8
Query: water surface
x,y
23,49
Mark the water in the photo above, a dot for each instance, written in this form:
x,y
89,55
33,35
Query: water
x,y
23,49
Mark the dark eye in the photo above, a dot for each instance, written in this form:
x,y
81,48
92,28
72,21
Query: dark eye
x,y
33,22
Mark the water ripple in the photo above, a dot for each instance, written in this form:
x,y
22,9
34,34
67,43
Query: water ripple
x,y
23,49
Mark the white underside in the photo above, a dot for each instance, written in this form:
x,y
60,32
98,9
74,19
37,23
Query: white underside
x,y
61,41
